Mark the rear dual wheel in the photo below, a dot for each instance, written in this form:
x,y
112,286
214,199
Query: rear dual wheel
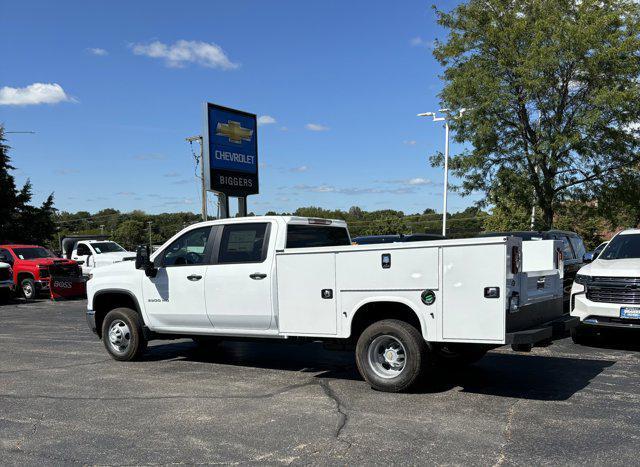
x,y
390,355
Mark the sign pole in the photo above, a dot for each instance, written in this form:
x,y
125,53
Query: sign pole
x,y
204,186
223,201
242,206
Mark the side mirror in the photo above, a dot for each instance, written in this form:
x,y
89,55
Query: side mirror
x,y
588,257
143,261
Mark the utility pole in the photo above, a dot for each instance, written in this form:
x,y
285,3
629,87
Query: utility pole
x,y
444,119
200,159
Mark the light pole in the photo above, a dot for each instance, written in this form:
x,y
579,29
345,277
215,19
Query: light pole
x,y
444,119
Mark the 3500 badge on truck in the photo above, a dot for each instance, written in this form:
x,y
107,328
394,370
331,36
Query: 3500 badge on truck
x,y
399,306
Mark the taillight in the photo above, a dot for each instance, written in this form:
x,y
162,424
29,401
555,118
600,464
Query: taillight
x,y
516,261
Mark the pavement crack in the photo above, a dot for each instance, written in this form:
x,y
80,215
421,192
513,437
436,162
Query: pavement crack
x,y
507,433
343,416
267,395
61,367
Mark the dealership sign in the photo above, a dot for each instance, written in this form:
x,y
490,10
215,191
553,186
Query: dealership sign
x,y
230,151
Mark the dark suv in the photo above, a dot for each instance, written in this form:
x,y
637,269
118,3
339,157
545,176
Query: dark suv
x,y
573,250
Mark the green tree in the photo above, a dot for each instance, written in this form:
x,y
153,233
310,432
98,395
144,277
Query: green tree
x,y
19,220
619,201
553,90
130,234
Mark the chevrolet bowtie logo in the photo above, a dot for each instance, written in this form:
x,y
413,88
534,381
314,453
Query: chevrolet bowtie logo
x,y
234,131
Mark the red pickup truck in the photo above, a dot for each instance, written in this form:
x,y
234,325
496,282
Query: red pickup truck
x,y
31,264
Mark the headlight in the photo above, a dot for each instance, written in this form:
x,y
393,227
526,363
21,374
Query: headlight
x,y
582,279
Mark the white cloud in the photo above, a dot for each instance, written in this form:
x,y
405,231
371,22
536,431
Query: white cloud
x,y
302,168
316,127
410,182
36,93
266,120
182,52
353,190
409,142
420,42
97,51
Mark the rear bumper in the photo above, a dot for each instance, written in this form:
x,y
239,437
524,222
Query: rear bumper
x,y
542,332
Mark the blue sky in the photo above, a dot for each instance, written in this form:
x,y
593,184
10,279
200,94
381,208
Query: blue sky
x,y
338,85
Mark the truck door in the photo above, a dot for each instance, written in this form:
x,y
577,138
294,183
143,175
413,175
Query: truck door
x,y
175,297
238,285
82,254
467,313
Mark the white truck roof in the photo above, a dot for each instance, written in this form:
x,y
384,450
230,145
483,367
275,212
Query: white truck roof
x,y
286,219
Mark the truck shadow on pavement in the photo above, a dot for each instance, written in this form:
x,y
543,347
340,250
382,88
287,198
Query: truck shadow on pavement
x,y
523,376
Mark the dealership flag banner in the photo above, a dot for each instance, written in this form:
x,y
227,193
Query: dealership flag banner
x,y
230,151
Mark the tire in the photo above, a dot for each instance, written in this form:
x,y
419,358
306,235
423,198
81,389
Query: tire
x,y
447,355
122,334
28,287
580,336
406,358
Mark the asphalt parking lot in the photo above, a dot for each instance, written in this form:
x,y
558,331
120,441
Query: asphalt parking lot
x,y
63,401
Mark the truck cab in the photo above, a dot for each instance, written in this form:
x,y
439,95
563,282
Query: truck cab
x,y
91,254
398,305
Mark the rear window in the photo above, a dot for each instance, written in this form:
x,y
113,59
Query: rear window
x,y
578,246
309,236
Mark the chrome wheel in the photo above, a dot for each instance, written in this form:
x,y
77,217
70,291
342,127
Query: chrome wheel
x,y
27,290
387,356
119,336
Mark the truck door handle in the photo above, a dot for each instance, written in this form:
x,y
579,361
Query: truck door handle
x,y
194,277
257,276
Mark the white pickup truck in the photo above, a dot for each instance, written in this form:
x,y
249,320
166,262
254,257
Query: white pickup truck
x,y
91,254
403,306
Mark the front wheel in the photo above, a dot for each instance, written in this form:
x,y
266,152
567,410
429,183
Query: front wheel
x,y
28,288
122,334
390,355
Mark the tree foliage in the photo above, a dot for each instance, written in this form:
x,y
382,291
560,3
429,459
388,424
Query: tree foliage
x,y
19,220
554,95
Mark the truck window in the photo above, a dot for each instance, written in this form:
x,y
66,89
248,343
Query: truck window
x,y
578,246
188,249
243,243
308,236
107,247
33,253
567,251
83,250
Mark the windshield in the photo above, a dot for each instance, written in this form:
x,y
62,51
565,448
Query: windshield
x,y
622,247
33,253
107,247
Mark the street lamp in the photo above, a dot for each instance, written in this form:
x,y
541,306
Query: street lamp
x,y
444,119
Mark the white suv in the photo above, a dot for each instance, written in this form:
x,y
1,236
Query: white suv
x,y
606,292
